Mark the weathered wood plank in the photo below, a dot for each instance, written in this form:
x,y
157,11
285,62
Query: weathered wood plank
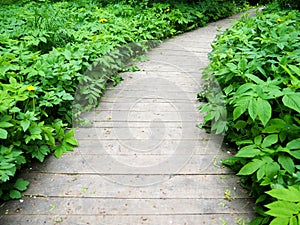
x,y
159,104
126,207
102,219
163,133
134,186
174,115
152,164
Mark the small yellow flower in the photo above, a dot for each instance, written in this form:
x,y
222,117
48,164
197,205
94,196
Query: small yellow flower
x,y
103,20
30,88
167,10
279,20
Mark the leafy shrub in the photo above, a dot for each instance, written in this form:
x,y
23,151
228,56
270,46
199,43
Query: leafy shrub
x,y
46,47
289,4
256,63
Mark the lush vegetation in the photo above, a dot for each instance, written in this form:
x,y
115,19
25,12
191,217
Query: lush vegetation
x,y
252,94
45,50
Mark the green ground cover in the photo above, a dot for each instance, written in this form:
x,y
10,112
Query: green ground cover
x,y
252,94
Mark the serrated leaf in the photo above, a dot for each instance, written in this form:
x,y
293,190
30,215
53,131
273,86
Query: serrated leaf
x,y
292,101
291,194
287,163
21,184
264,111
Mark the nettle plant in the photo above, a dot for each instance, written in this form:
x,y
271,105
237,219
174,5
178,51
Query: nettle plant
x,y
256,65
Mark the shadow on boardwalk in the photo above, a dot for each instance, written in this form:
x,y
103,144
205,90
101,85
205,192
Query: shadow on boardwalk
x,y
143,161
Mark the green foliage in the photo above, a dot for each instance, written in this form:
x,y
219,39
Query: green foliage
x,y
256,65
286,209
56,58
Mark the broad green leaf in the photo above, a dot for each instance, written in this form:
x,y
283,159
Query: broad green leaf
x,y
295,154
6,124
72,141
250,167
292,101
243,64
14,194
264,110
258,139
291,194
261,173
295,69
280,221
240,124
293,221
238,111
255,79
3,134
25,124
272,169
294,144
252,108
59,151
269,140
287,163
282,209
21,184
248,151
263,72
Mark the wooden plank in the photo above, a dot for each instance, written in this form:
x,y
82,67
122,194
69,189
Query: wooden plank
x,y
136,114
159,105
118,164
118,207
128,93
133,186
161,66
145,136
102,219
137,124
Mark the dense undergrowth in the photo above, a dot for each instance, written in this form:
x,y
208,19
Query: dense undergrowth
x,y
253,97
45,50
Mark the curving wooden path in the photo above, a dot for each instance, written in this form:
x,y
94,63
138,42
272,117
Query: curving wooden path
x,y
143,160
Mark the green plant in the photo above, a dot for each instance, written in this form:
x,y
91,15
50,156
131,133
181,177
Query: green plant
x,y
254,76
286,209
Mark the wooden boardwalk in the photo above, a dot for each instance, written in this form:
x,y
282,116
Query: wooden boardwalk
x,y
143,161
